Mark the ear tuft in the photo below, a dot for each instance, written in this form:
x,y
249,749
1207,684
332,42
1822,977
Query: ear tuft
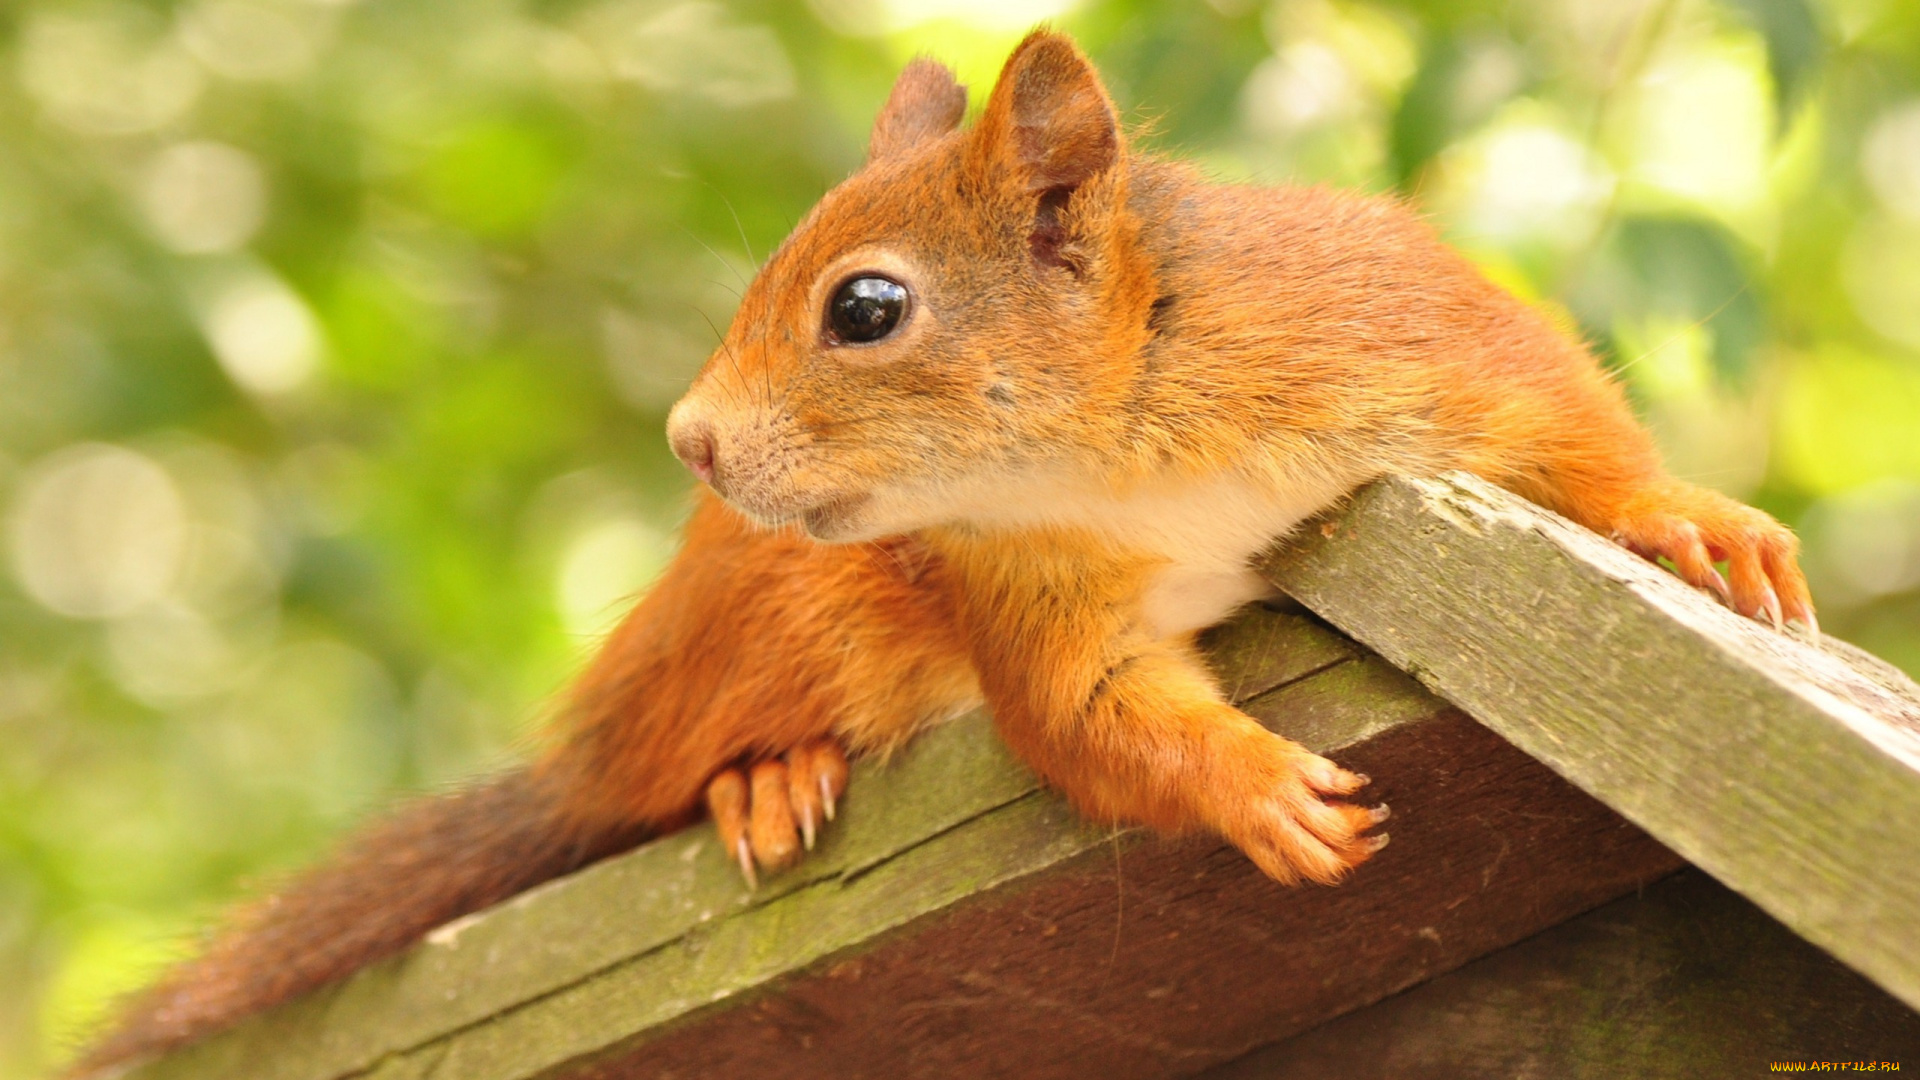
x,y
1050,116
926,103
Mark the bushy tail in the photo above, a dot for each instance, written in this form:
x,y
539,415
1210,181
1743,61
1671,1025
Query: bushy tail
x,y
429,861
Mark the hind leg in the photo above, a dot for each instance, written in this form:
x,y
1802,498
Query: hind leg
x,y
1693,528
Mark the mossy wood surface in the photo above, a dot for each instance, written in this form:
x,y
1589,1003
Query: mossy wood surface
x,y
1789,771
958,921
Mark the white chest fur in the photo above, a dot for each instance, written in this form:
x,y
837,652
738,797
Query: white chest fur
x,y
1207,531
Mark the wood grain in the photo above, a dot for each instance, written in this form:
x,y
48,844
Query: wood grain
x,y
1685,981
1158,959
959,921
1789,771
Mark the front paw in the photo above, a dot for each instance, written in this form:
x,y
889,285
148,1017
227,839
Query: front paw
x,y
768,812
1692,528
1273,804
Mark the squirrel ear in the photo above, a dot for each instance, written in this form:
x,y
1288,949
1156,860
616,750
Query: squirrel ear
x,y
926,103
1049,116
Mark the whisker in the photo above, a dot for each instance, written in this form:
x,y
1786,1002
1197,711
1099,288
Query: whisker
x,y
878,548
722,259
1694,325
843,422
732,360
741,229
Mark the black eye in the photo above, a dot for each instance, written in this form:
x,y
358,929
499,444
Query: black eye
x,y
866,309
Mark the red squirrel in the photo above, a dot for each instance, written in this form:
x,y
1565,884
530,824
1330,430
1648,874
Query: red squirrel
x,y
1006,419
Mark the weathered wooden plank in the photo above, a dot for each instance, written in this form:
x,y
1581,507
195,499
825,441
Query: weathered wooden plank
x,y
1160,958
555,936
960,922
1684,982
1790,772
552,937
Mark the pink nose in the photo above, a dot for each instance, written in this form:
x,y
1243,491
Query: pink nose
x,y
694,447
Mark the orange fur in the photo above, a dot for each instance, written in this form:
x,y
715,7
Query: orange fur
x,y
1116,383
753,643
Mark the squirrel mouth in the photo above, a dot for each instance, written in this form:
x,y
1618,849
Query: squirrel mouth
x,y
829,520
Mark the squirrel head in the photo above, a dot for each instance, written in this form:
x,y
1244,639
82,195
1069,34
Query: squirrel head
x,y
968,307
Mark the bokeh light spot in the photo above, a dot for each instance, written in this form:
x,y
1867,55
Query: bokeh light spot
x,y
106,70
1890,159
604,569
256,40
202,197
98,531
262,333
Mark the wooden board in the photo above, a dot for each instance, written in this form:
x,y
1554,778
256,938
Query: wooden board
x,y
957,921
1788,771
1686,981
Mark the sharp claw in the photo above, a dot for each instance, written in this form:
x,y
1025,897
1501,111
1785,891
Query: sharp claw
x,y
826,798
1363,778
1770,603
1379,813
744,853
1375,843
806,827
1804,616
1720,586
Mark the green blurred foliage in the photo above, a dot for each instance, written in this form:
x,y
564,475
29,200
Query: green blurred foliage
x,y
336,339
